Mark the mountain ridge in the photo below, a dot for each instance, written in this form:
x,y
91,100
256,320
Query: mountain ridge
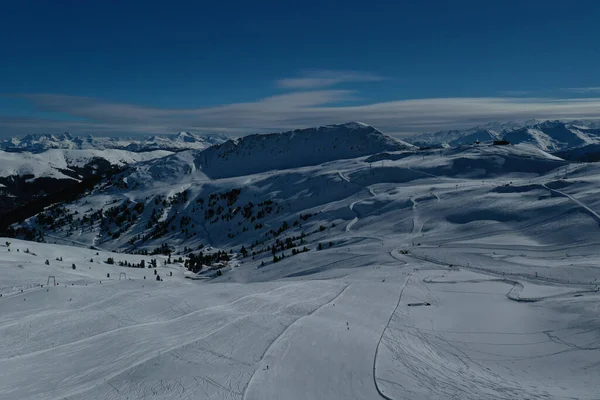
x,y
38,143
548,135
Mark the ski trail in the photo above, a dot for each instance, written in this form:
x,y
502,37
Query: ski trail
x,y
415,229
343,177
381,338
280,337
75,242
355,219
423,173
594,214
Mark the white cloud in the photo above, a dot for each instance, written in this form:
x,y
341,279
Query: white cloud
x,y
313,79
290,111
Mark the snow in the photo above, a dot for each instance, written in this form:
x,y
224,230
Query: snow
x,y
494,247
50,163
40,143
546,135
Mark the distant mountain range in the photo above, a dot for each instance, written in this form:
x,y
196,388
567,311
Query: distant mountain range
x,y
551,136
42,142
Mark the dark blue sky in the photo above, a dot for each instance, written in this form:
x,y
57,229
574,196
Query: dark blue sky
x,y
163,66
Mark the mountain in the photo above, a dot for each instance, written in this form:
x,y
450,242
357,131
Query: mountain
x,y
459,137
551,136
35,166
26,176
588,153
265,152
245,189
302,147
68,163
41,142
360,265
181,141
546,135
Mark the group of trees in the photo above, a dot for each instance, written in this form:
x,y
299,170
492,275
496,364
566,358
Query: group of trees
x,y
294,252
195,262
142,264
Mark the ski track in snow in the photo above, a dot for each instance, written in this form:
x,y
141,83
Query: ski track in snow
x,y
578,202
355,219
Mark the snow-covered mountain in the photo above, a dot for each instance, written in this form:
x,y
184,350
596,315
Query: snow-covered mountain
x,y
459,137
26,176
552,136
259,153
37,165
41,142
466,272
546,135
67,163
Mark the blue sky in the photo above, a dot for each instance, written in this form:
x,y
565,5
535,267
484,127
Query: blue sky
x,y
238,67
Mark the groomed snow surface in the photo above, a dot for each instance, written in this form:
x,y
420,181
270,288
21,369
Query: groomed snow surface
x,y
92,337
468,275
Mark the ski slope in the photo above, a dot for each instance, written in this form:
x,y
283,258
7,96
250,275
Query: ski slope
x,y
320,336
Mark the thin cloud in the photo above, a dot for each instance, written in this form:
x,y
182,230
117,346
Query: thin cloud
x,y
583,90
515,93
290,111
314,79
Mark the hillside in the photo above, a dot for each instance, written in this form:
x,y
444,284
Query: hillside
x,y
26,176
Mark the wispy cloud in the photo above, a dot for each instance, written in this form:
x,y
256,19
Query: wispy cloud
x,y
290,111
313,79
583,90
515,93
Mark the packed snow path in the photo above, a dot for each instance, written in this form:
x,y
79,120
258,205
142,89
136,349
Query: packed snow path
x,y
593,213
355,219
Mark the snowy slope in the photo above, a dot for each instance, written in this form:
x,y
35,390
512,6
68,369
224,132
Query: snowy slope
x,y
589,153
53,162
464,273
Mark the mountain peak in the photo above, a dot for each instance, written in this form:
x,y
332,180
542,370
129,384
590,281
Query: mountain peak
x,y
354,125
301,147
